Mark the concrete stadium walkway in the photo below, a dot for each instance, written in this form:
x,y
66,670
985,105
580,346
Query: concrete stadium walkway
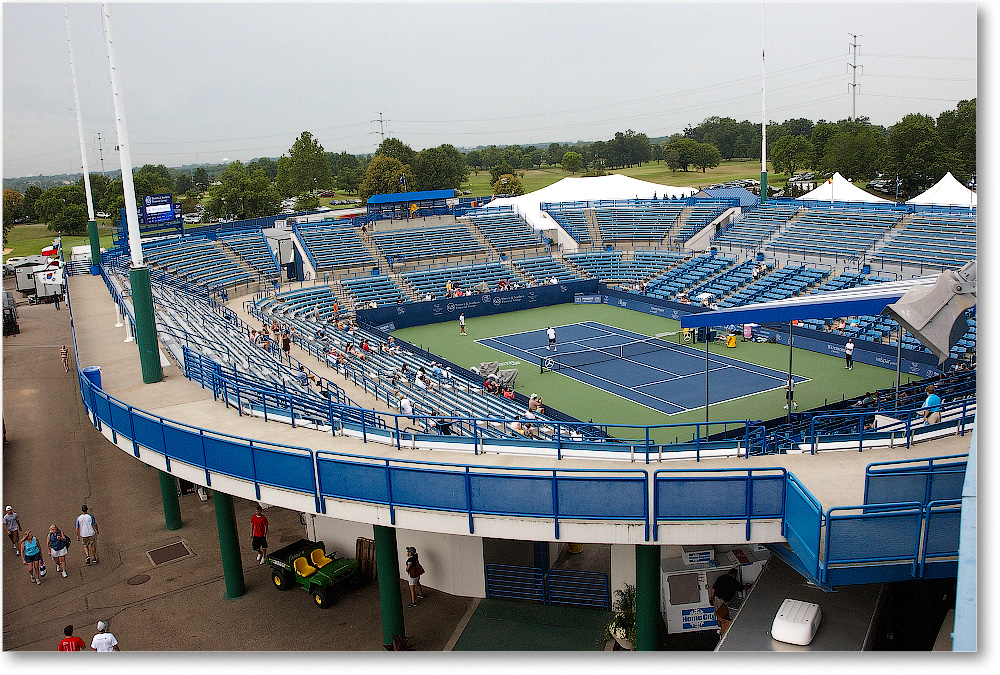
x,y
55,461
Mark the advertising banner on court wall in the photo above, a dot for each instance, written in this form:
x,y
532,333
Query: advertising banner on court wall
x,y
485,304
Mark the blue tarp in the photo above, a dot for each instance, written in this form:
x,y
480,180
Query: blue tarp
x,y
421,196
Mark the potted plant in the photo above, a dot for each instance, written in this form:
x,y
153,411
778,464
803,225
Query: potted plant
x,y
622,624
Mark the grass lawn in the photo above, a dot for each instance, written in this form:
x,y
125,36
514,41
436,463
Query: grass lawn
x,y
25,240
828,380
654,172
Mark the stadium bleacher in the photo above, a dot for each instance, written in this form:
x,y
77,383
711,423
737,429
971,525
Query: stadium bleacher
x,y
334,246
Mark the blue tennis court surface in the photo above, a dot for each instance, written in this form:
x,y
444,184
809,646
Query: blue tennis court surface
x,y
670,380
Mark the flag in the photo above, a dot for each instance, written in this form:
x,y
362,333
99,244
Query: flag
x,y
402,180
50,250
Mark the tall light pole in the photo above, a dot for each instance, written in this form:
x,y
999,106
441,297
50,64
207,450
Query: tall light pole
x,y
95,240
142,293
763,115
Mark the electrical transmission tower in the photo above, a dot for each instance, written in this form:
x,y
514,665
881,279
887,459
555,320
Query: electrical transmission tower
x,y
100,150
381,126
854,75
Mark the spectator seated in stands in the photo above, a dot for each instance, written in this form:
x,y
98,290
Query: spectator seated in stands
x,y
428,296
508,393
535,404
867,400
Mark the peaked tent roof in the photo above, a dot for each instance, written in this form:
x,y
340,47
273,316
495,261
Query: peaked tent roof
x,y
579,189
839,189
846,302
946,192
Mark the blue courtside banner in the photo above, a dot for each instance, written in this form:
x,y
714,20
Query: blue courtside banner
x,y
479,304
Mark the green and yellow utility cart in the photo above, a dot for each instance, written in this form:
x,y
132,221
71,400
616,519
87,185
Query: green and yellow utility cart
x,y
306,564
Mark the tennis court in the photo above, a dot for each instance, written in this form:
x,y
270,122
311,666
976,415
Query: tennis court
x,y
660,374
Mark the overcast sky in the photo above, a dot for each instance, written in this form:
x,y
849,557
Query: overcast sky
x,y
216,82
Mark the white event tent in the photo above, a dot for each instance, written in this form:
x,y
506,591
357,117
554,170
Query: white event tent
x,y
839,189
615,186
947,192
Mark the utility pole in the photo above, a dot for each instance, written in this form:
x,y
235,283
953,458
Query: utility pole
x,y
854,75
381,125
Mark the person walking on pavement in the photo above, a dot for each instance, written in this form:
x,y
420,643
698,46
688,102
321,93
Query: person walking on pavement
x,y
104,641
64,355
849,354
31,554
258,534
413,570
86,531
12,526
58,548
71,643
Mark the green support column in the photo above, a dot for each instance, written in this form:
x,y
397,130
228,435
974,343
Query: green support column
x,y
647,597
145,325
387,566
171,506
95,248
763,187
229,544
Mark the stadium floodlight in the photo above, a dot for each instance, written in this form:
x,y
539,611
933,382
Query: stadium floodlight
x,y
935,315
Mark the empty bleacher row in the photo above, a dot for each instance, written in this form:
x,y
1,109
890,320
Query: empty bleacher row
x,y
427,242
574,221
615,267
505,229
755,227
197,260
700,214
640,220
688,274
253,248
931,240
541,270
334,246
779,284
842,234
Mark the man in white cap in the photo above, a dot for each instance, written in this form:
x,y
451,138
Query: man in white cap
x,y
12,526
104,641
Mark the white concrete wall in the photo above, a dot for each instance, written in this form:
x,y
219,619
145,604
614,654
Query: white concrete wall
x,y
452,563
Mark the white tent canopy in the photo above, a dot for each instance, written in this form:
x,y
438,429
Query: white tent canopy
x,y
839,189
947,192
615,186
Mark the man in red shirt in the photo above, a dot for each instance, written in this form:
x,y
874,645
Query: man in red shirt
x,y
71,643
258,534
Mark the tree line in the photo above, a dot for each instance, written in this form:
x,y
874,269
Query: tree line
x,y
918,150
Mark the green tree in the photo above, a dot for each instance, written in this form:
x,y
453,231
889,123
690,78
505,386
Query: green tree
x,y
382,177
306,201
791,153
475,160
536,157
441,167
31,194
283,179
498,170
71,220
13,208
242,194
183,184
268,165
309,168
341,160
572,162
152,180
201,178
508,184
393,147
706,156
555,153
958,133
348,179
52,202
113,200
915,152
854,152
98,184
680,153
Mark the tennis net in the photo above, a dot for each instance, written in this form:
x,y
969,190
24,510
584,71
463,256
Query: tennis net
x,y
590,356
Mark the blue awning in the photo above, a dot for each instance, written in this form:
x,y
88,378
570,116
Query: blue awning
x,y
871,299
421,196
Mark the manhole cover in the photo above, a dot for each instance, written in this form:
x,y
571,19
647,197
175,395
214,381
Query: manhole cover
x,y
138,579
165,554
